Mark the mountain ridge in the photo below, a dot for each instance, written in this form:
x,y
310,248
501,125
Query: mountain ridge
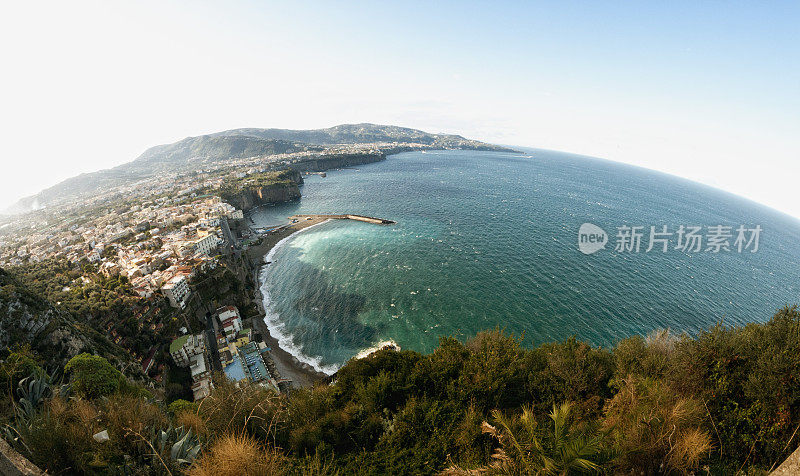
x,y
239,143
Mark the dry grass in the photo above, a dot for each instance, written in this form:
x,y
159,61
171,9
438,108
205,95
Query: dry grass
x,y
651,425
60,436
192,420
238,454
124,416
233,409
661,341
317,466
688,450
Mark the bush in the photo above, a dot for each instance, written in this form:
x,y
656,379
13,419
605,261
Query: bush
x,y
179,406
726,399
19,364
92,376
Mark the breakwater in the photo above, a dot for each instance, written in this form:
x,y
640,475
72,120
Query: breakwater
x,y
367,219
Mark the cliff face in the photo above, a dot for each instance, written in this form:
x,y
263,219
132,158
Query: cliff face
x,y
287,186
27,318
286,189
248,199
338,161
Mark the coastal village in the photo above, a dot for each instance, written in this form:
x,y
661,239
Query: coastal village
x,y
239,355
165,266
159,247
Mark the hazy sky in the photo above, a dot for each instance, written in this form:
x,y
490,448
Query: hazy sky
x,y
705,90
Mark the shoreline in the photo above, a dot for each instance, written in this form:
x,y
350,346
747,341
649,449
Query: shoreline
x,y
288,366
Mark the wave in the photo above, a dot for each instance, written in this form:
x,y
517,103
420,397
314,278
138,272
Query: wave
x,y
380,345
277,328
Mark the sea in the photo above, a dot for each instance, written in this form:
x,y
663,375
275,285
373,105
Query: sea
x,y
490,240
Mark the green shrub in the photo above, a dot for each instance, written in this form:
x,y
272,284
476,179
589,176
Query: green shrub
x,y
19,364
93,376
179,406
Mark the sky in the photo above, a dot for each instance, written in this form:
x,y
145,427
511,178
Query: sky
x,y
707,90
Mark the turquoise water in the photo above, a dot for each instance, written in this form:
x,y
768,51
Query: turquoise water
x,y
487,240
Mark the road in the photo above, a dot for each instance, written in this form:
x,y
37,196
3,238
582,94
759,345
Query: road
x,y
211,342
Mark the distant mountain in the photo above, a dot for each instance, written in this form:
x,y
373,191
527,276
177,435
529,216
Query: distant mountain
x,y
353,134
191,152
209,147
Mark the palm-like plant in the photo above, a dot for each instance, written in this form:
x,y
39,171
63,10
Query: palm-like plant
x,y
526,448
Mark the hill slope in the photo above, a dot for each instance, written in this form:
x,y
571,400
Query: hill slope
x,y
27,318
357,134
192,152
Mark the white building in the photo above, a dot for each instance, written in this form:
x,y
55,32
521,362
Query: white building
x,y
185,347
177,291
189,351
209,221
230,320
205,244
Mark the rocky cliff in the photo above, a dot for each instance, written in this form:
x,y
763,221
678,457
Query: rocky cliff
x,y
265,189
337,161
248,199
26,318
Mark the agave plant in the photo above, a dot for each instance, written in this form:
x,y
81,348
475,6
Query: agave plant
x,y
183,445
32,391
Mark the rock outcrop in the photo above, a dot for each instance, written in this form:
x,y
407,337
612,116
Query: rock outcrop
x,y
337,161
26,318
248,199
285,188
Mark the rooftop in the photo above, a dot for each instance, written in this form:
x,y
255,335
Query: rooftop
x,y
235,371
178,343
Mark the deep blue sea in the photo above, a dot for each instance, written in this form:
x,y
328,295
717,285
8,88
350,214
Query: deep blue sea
x,y
486,240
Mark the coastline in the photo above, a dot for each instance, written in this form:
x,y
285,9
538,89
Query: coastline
x,y
288,366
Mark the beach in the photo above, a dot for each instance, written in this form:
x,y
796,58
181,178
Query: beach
x,y
287,365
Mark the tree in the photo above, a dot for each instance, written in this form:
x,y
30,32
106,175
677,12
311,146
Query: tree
x,y
93,376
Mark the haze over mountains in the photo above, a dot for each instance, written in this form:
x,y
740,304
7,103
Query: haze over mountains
x,y
192,152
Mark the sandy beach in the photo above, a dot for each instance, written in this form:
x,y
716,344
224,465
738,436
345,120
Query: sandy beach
x,y
300,373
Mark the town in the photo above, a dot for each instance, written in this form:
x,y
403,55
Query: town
x,y
151,259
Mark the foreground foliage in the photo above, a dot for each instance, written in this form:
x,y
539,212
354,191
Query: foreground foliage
x,y
725,401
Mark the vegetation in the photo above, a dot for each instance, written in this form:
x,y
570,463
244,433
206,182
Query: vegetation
x,y
107,305
93,376
281,178
725,401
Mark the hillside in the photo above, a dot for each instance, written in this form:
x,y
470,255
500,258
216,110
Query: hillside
x,y
193,153
209,148
723,402
27,318
360,134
